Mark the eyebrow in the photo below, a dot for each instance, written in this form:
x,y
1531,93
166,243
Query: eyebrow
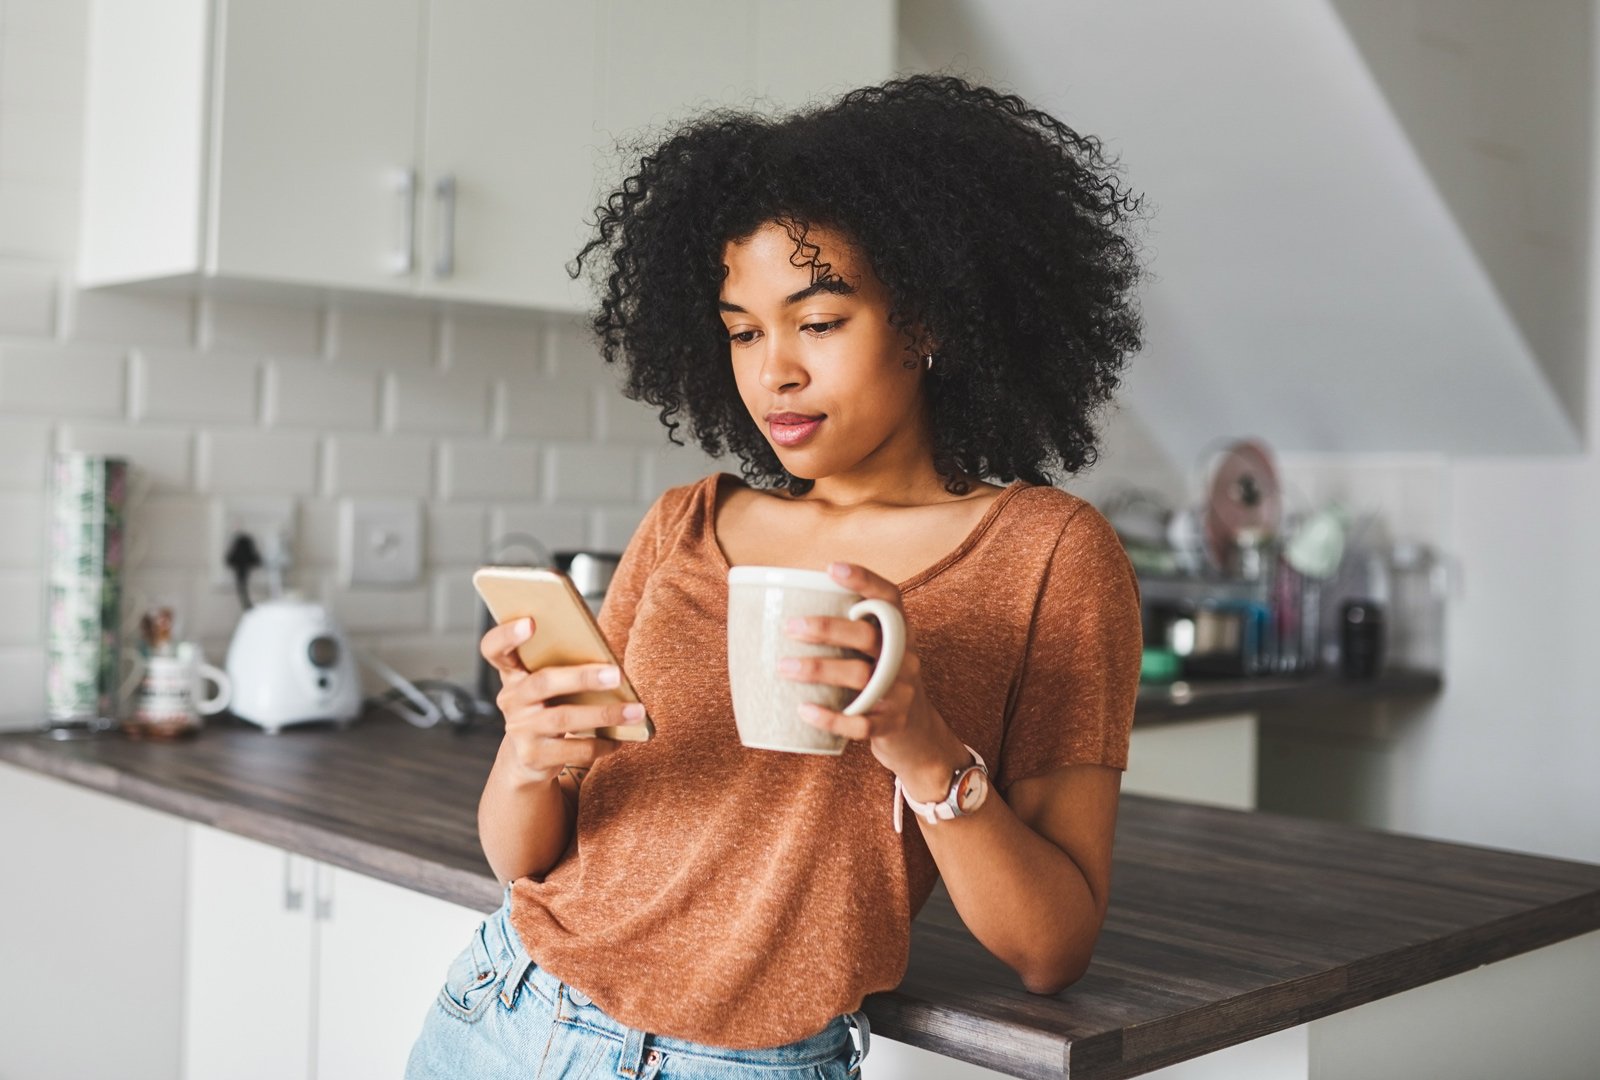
x,y
830,285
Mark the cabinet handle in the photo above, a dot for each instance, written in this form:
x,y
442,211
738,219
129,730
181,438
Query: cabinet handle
x,y
444,191
401,259
294,882
322,892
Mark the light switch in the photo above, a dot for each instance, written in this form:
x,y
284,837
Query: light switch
x,y
380,541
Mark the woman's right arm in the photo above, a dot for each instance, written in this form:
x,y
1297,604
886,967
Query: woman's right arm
x,y
526,814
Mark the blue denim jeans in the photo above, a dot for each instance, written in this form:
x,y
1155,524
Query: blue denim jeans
x,y
500,1015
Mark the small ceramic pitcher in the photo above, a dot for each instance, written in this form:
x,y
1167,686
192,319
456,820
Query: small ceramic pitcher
x,y
169,700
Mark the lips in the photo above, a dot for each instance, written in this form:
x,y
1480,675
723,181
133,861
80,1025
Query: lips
x,y
791,429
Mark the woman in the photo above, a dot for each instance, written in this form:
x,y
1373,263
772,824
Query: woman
x,y
879,307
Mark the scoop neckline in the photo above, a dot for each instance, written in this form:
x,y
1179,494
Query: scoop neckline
x,y
713,487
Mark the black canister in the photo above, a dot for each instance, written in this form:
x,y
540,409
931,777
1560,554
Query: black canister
x,y
1361,638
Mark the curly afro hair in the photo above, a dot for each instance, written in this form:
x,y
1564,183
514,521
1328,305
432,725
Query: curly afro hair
x,y
1006,236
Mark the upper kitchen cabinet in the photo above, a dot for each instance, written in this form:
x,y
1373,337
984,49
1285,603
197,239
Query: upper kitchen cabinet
x,y
439,149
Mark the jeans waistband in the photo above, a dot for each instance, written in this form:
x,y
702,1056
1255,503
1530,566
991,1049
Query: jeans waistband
x,y
573,1006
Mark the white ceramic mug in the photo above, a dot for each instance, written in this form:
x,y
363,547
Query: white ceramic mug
x,y
765,704
169,696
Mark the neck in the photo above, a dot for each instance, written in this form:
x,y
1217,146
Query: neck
x,y
899,472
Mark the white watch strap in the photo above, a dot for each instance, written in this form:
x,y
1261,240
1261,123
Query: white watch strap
x,y
931,812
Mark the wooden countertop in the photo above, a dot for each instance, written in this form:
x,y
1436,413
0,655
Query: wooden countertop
x,y
1198,698
1224,926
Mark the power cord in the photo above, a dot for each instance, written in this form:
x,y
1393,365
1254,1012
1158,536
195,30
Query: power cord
x,y
243,557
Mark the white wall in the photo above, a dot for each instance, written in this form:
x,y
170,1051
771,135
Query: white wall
x,y
495,423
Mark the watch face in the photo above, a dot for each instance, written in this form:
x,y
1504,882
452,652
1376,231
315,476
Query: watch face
x,y
972,790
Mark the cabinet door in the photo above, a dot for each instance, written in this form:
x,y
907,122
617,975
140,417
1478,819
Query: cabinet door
x,y
382,956
315,118
510,148
248,990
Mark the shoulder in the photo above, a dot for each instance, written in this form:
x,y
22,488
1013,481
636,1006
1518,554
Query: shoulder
x,y
1082,545
685,504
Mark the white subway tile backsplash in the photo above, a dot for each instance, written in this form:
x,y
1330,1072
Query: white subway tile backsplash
x,y
134,318
438,404
280,329
21,606
539,409
614,527
579,472
212,388
213,610
386,339
455,601
456,535
379,610
24,450
572,355
22,539
488,470
22,677
622,420
27,296
172,531
452,657
679,465
163,454
379,465
315,394
496,346
257,463
555,528
55,381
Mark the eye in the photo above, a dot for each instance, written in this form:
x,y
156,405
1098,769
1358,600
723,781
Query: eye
x,y
743,337
821,327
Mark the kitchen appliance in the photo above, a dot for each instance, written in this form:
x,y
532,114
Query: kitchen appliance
x,y
1243,507
290,663
1361,638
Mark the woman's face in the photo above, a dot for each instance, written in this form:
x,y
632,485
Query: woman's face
x,y
825,376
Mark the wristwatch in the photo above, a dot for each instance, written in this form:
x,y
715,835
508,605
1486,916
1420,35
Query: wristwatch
x,y
968,789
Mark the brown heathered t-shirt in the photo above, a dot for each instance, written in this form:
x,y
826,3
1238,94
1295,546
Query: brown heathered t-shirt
x,y
743,898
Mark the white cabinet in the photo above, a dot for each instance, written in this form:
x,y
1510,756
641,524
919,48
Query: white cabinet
x,y
314,141
440,149
301,970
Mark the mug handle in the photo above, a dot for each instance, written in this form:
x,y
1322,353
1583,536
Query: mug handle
x,y
219,700
892,625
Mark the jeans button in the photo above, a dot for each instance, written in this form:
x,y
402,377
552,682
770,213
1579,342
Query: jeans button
x,y
576,996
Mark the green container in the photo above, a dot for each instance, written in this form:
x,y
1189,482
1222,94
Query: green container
x,y
1159,666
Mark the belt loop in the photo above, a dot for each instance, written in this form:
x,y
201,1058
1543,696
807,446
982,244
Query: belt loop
x,y
514,979
632,1060
861,1036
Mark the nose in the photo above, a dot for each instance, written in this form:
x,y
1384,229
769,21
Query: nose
x,y
781,369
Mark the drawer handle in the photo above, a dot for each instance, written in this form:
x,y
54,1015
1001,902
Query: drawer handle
x,y
444,192
404,184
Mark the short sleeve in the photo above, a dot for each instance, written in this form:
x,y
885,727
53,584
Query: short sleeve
x,y
1080,676
639,560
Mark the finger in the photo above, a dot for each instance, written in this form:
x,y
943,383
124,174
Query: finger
x,y
558,721
851,727
552,682
827,670
858,634
864,581
499,645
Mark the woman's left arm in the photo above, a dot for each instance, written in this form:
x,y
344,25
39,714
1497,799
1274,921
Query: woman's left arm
x,y
1029,871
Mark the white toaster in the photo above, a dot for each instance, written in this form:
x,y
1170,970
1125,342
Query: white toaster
x,y
291,664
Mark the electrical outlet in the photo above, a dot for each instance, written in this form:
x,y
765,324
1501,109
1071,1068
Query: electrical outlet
x,y
380,541
270,522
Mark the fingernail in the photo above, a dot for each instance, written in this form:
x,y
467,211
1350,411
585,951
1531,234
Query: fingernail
x,y
839,569
788,666
796,625
609,676
810,713
633,713
523,630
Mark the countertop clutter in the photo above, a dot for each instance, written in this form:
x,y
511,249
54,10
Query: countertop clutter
x,y
1223,926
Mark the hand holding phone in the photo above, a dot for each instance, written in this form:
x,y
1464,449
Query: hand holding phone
x,y
563,664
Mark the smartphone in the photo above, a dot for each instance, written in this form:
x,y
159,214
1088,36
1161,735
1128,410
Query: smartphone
x,y
564,633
